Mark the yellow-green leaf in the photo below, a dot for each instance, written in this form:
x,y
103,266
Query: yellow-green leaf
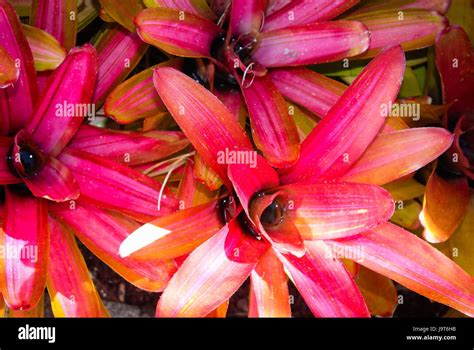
x,y
48,53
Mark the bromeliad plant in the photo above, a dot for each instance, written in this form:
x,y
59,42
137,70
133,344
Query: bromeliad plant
x,y
247,45
228,60
61,177
455,62
297,220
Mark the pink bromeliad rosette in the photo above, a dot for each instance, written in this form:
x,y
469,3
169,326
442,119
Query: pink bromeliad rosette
x,y
295,220
62,178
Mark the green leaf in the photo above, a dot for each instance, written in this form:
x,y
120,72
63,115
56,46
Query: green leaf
x,y
88,10
410,86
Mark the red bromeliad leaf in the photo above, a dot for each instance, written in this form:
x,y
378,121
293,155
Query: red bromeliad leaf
x,y
196,7
444,206
311,43
2,307
9,72
136,98
412,29
205,121
269,296
70,286
58,18
23,264
17,101
119,51
54,182
6,175
273,129
130,148
176,32
115,186
399,153
187,188
232,99
249,179
123,11
247,16
62,108
35,312
103,235
314,91
333,210
173,235
408,260
211,273
43,78
352,123
300,12
48,53
435,5
324,283
455,62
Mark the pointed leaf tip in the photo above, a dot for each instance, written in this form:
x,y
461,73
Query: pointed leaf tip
x,y
62,108
399,153
16,102
411,28
48,53
206,122
352,123
312,43
332,210
177,32
273,128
